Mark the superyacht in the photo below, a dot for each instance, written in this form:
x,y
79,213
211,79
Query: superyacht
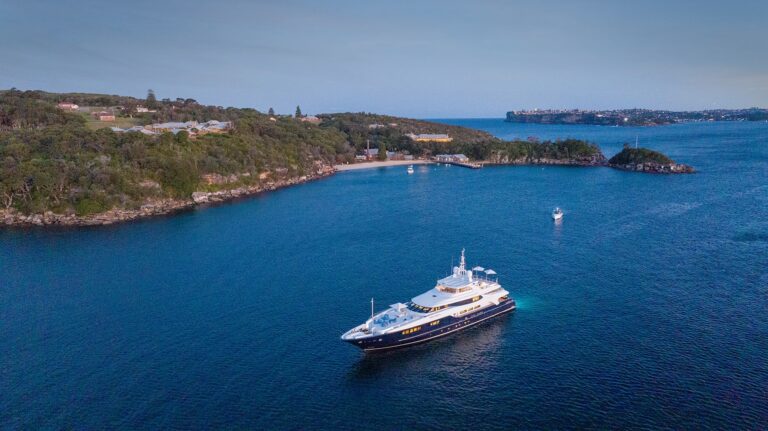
x,y
458,301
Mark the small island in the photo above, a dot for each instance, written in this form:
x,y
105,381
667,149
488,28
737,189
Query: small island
x,y
645,160
77,159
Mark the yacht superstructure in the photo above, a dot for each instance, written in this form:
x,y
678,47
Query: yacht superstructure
x,y
462,299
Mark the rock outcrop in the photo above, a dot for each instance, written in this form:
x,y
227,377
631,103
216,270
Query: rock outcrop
x,y
656,168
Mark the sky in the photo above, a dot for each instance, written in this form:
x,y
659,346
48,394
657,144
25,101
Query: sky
x,y
423,59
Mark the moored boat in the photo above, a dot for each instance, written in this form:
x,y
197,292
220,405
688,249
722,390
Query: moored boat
x,y
463,299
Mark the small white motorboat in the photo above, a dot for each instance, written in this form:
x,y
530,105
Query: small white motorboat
x,y
557,214
410,169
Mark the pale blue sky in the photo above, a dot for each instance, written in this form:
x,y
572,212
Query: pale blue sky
x,y
417,58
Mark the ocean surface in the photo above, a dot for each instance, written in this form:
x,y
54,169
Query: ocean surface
x,y
646,308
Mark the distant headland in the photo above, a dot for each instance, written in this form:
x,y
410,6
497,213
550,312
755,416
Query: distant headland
x,y
75,159
633,117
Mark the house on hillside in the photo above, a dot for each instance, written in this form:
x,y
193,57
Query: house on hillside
x,y
104,116
172,126
68,106
214,126
430,137
311,119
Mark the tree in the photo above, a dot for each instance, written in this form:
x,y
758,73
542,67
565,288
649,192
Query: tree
x,y
271,111
298,112
151,99
182,137
382,152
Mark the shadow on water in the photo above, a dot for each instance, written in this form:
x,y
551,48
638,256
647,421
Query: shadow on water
x,y
473,345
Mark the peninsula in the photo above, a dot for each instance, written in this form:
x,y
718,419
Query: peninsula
x,y
633,117
75,159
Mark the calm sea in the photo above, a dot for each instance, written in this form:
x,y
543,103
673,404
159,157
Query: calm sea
x,y
646,308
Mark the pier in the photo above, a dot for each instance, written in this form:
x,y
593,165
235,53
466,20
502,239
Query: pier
x,y
470,165
458,160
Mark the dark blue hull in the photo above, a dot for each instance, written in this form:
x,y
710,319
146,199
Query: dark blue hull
x,y
432,330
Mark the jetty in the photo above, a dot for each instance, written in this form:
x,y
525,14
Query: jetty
x,y
470,165
458,160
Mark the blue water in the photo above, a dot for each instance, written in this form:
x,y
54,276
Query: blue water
x,y
646,308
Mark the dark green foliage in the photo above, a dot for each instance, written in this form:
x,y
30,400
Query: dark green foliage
x,y
298,112
87,206
631,156
23,110
56,163
271,111
151,100
382,154
180,176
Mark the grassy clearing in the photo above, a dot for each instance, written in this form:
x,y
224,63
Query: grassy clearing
x,y
122,122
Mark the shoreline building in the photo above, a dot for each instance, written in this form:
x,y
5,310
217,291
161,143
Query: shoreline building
x,y
430,137
451,158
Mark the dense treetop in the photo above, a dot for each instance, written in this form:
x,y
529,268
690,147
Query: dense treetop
x,y
633,156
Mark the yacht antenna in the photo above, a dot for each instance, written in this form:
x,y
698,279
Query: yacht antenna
x,y
371,307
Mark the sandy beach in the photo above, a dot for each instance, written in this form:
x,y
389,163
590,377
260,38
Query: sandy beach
x,y
369,165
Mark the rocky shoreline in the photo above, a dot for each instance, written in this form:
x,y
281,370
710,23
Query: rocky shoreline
x,y
158,207
656,168
598,161
153,207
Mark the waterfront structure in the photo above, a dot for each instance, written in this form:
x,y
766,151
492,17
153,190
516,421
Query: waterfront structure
x,y
373,153
430,137
463,299
451,158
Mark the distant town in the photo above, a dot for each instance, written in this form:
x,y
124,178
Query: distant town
x,y
633,117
